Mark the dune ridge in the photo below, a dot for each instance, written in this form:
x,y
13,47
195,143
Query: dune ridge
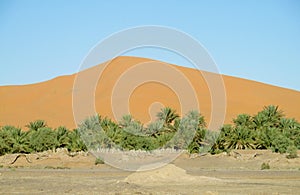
x,y
52,100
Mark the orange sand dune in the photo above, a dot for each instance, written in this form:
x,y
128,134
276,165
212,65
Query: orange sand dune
x,y
52,100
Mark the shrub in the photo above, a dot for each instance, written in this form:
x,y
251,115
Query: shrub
x,y
280,143
99,161
292,152
264,166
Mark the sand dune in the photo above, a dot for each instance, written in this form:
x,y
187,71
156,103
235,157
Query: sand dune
x,y
52,100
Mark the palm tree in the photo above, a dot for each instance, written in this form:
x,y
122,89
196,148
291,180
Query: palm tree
x,y
35,125
242,138
288,123
270,116
244,120
235,138
198,129
224,136
126,120
154,127
291,129
62,136
43,139
13,140
111,129
76,144
168,116
273,112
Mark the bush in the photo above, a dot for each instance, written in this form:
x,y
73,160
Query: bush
x,y
264,166
99,161
292,152
280,144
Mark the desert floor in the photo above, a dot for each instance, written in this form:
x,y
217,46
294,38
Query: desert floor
x,y
238,172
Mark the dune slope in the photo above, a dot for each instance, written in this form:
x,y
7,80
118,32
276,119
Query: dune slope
x,y
52,100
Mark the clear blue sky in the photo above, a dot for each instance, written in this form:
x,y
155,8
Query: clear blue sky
x,y
257,40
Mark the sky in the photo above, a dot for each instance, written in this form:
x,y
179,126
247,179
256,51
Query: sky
x,y
256,40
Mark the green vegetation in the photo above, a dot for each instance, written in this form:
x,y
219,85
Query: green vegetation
x,y
99,161
38,138
51,167
168,131
292,152
264,166
268,129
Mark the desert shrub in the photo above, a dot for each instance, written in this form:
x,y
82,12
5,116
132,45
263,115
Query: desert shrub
x,y
136,142
280,143
292,152
264,166
99,161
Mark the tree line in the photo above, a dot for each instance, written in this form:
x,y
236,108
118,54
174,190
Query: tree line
x,y
268,129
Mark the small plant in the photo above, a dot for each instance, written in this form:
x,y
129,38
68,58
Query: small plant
x,y
62,167
99,161
51,167
292,152
12,168
265,166
1,166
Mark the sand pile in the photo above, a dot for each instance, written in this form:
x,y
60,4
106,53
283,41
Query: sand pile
x,y
169,174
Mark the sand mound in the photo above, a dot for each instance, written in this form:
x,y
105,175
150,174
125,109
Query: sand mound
x,y
167,174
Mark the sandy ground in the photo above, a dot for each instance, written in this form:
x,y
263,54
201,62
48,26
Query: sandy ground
x,y
236,173
52,100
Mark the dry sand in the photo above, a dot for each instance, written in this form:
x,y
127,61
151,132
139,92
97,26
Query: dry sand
x,y
235,173
52,100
